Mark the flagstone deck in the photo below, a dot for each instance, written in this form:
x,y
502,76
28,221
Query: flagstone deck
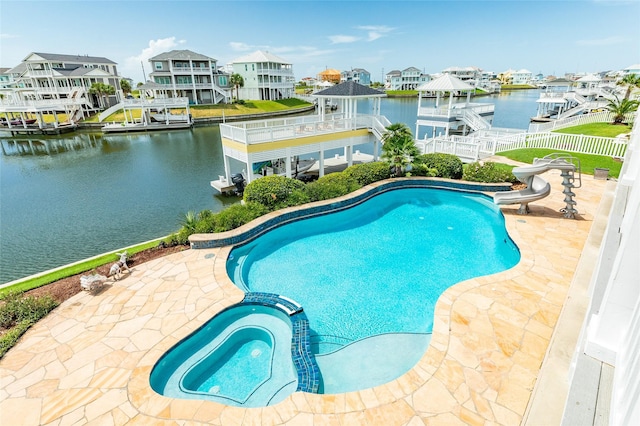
x,y
89,360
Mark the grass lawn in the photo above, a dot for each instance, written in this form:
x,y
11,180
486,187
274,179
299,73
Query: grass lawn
x,y
208,111
87,265
607,130
517,86
587,161
406,93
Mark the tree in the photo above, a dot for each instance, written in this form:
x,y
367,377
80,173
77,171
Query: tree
x,y
101,90
620,108
237,82
398,147
632,81
125,86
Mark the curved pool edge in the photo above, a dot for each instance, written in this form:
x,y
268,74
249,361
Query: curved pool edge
x,y
272,220
418,379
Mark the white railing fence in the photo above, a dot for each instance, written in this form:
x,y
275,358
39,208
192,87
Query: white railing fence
x,y
596,117
478,146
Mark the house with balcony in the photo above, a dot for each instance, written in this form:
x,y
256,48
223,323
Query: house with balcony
x,y
50,76
330,75
267,77
522,76
187,74
407,79
359,75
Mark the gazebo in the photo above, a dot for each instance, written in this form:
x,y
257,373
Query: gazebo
x,y
348,94
475,116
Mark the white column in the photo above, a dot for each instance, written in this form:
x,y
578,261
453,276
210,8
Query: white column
x,y
288,163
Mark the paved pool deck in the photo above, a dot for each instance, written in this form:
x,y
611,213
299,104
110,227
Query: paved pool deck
x,y
89,361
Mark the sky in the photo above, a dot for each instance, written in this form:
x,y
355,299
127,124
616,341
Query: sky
x,y
548,37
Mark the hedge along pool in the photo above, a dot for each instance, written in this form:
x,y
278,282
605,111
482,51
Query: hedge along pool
x,y
368,278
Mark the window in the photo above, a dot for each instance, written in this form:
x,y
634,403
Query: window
x,y
245,67
157,65
222,80
162,80
183,79
253,67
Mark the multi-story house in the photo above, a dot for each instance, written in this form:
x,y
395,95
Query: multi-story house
x,y
46,76
6,80
407,79
359,75
470,75
522,76
187,74
266,76
331,75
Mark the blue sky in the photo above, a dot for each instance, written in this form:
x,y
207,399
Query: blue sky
x,y
549,37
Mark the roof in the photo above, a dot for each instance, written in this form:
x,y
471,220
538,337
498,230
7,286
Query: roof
x,y
445,83
329,71
589,78
18,69
71,58
394,72
411,69
181,55
260,56
349,89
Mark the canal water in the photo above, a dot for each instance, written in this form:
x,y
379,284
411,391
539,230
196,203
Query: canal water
x,y
77,195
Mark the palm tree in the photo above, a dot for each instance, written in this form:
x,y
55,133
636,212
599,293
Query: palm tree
x,y
620,108
125,86
398,147
237,82
100,90
631,81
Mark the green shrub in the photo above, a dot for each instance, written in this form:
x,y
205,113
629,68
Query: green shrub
x,y
8,339
273,192
17,308
448,166
367,173
488,172
423,170
331,186
237,215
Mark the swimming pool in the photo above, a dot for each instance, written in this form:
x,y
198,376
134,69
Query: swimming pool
x,y
367,276
376,269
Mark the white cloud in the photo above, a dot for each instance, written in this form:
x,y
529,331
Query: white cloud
x,y
336,39
7,36
132,66
606,41
374,32
240,46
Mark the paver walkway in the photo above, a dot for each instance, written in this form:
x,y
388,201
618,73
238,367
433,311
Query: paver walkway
x,y
89,360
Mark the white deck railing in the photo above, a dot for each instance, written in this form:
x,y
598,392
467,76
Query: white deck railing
x,y
595,117
262,131
476,147
456,110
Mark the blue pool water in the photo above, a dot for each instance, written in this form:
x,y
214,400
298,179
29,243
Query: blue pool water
x,y
368,278
378,267
240,357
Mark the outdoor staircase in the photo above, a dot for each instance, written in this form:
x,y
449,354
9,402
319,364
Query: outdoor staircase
x,y
474,120
107,112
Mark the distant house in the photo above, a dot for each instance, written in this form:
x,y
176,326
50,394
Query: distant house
x,y
359,75
331,75
45,76
187,74
522,76
407,79
266,76
469,75
633,69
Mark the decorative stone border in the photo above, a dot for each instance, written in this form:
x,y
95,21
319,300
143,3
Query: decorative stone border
x,y
273,220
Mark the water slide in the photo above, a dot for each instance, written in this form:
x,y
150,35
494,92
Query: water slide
x,y
537,188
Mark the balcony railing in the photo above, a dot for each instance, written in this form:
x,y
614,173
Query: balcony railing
x,y
262,131
455,111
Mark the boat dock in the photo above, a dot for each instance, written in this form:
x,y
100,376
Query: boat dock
x,y
144,127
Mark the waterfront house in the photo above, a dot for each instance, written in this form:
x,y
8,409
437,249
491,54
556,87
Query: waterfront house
x,y
45,76
522,76
187,74
359,75
407,79
266,76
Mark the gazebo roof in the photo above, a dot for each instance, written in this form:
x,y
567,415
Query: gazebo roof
x,y
349,89
445,83
589,78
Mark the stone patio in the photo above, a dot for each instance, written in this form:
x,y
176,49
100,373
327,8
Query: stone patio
x,y
89,361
